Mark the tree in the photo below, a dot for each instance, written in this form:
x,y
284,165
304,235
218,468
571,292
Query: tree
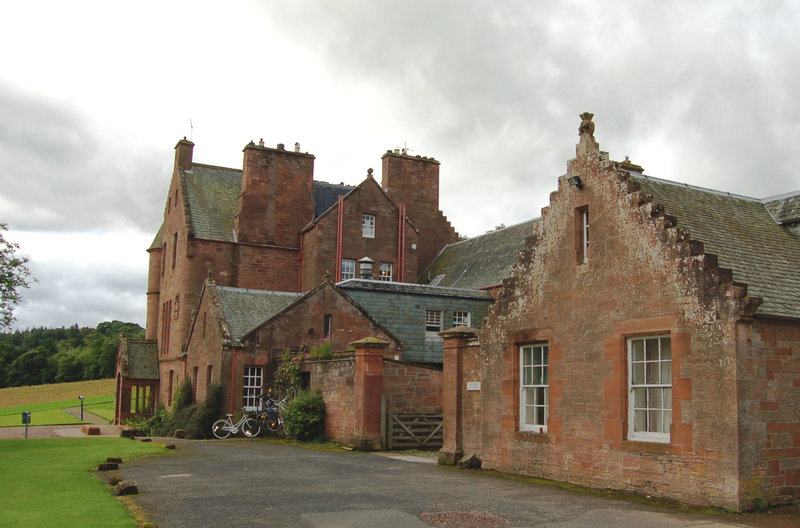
x,y
14,275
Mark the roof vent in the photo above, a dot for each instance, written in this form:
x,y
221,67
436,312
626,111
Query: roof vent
x,y
365,267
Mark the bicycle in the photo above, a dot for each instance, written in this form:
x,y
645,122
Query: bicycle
x,y
274,403
224,428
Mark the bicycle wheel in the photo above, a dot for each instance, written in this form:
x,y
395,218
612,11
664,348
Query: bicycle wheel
x,y
251,428
273,424
218,429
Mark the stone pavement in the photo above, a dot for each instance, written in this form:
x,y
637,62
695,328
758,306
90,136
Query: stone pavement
x,y
243,482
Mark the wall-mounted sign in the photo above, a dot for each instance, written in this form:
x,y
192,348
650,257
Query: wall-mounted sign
x,y
473,385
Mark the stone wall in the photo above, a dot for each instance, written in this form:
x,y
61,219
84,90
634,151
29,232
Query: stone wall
x,y
642,277
769,412
406,388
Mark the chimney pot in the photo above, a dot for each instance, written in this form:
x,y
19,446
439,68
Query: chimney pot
x,y
297,146
261,142
281,146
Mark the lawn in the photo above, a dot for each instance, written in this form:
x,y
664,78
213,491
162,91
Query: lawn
x,y
13,396
48,482
50,413
45,402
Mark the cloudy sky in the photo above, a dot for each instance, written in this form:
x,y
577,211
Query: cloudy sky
x,y
95,95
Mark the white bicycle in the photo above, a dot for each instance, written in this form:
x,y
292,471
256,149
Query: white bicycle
x,y
225,428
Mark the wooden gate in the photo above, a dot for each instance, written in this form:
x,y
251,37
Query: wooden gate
x,y
415,431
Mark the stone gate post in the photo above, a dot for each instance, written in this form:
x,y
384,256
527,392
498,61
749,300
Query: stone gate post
x,y
456,340
368,388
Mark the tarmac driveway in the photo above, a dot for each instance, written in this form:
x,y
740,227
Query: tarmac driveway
x,y
252,483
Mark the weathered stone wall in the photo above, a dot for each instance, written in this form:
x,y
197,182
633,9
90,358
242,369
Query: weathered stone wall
x,y
769,411
407,388
643,276
335,380
319,241
411,388
302,324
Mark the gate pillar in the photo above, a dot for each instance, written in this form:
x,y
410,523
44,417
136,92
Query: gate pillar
x,y
368,387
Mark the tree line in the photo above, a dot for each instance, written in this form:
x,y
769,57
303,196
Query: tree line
x,y
56,355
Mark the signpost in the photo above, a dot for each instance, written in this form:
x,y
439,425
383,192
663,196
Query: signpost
x,y
26,419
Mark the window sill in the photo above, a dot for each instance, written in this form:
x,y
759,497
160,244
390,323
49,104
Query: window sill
x,y
532,436
637,446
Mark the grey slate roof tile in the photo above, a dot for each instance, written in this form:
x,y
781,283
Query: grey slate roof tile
x,y
213,200
245,309
480,262
327,194
785,208
141,361
744,236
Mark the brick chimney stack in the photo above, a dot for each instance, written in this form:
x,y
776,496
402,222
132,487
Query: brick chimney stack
x,y
277,196
414,181
183,155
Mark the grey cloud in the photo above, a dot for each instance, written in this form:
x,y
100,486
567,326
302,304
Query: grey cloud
x,y
719,99
59,173
82,294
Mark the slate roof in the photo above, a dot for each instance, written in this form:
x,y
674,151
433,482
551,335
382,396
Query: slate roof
x,y
213,198
141,361
401,309
412,289
744,236
785,208
326,195
246,309
212,195
480,262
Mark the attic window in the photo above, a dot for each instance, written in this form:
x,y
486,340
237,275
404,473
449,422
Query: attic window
x,y
368,226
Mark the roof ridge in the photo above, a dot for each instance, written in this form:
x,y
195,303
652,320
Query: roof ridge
x,y
209,166
251,290
693,187
494,231
781,196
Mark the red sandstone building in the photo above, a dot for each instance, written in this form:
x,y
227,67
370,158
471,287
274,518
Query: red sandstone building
x,y
648,340
271,227
645,334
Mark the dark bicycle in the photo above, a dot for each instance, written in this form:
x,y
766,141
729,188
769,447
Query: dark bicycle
x,y
273,404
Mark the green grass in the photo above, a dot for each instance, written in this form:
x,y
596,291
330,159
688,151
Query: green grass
x,y
104,410
46,417
50,413
11,396
47,482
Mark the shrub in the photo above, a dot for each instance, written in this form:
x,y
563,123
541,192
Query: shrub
x,y
321,350
148,426
194,418
305,416
207,413
288,372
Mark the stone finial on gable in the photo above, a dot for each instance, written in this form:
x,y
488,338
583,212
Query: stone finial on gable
x,y
587,126
587,143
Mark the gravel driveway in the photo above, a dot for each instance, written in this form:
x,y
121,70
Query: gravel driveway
x,y
247,483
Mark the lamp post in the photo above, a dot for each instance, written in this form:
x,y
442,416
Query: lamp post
x,y
80,397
